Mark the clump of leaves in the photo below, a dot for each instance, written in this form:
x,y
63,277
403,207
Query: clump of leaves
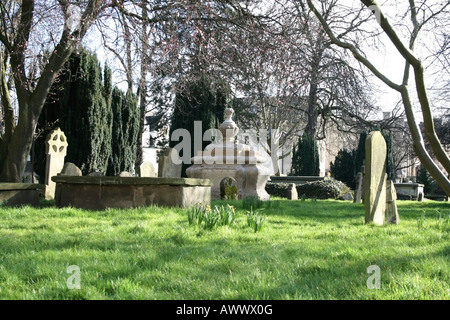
x,y
210,218
255,220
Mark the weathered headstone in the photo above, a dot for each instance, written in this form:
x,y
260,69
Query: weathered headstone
x,y
125,174
228,189
169,164
391,204
292,193
146,170
71,169
375,178
359,188
56,150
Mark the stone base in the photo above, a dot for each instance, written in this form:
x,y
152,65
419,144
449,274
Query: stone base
x,y
18,194
127,192
251,178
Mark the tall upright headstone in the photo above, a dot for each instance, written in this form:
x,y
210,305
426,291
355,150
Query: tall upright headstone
x,y
56,150
169,164
375,178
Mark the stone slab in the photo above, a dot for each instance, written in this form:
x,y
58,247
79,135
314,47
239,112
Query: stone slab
x,y
97,193
110,180
18,194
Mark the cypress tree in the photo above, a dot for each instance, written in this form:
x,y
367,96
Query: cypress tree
x,y
77,103
125,129
342,168
201,100
305,160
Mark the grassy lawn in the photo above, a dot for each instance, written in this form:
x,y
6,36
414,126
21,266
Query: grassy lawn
x,y
306,250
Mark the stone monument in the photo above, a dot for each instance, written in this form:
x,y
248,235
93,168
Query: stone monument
x,y
56,150
169,164
227,158
375,178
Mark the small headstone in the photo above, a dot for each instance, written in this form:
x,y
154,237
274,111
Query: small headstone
x,y
56,150
146,169
420,197
359,188
228,189
169,164
125,174
375,178
70,169
292,192
348,196
391,204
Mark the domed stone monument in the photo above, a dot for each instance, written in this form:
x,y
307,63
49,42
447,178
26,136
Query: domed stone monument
x,y
227,158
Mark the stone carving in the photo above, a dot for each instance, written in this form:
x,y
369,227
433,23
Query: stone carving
x,y
56,150
228,189
227,158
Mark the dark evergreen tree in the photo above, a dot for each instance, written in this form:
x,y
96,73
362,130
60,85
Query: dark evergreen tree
x,y
201,100
305,160
78,104
343,167
125,130
360,153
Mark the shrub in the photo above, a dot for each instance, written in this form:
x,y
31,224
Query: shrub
x,y
209,218
326,189
255,220
277,189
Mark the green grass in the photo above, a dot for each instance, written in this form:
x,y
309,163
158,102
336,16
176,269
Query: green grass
x,y
306,250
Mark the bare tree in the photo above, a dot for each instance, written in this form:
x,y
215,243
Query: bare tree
x,y
21,23
412,61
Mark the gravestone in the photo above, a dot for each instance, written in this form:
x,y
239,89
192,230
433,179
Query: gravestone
x,y
391,204
71,169
56,150
375,178
146,170
292,193
359,188
125,174
228,189
169,164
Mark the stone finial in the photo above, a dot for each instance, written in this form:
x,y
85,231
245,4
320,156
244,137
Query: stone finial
x,y
228,128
